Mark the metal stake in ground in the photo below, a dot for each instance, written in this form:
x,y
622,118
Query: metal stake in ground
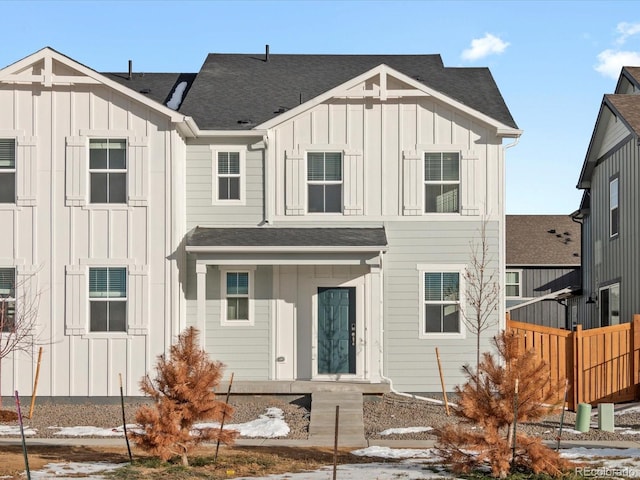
x,y
564,406
24,442
335,444
515,422
124,420
215,458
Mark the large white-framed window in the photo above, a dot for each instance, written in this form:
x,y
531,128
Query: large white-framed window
x,y
108,170
609,303
7,170
441,300
236,293
614,207
442,182
107,299
7,299
324,182
229,176
513,283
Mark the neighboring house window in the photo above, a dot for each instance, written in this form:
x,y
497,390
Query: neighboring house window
x,y
237,288
7,170
610,305
228,169
441,182
324,181
108,299
512,283
108,170
441,302
7,299
614,210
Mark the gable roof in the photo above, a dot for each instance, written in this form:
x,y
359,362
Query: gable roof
x,y
627,108
157,86
231,89
543,240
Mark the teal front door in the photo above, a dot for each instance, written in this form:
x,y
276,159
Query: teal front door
x,y
336,330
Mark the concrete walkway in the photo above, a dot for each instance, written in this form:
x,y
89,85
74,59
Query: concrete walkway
x,y
322,426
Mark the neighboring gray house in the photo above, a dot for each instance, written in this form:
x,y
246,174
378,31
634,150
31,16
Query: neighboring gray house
x,y
542,268
610,178
310,214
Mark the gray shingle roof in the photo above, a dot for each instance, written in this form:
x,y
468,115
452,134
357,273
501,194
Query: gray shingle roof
x,y
287,237
542,240
157,86
628,107
232,88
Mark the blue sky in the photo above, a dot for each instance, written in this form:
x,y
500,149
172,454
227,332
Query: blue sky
x,y
553,60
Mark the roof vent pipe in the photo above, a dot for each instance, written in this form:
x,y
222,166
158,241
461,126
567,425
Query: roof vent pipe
x,y
130,69
266,53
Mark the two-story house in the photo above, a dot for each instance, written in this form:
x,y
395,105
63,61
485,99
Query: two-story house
x,y
542,269
609,208
311,215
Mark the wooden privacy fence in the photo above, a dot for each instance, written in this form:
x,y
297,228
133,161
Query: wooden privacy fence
x,y
601,364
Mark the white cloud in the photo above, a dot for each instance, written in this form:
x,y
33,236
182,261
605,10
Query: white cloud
x,y
626,30
483,47
610,62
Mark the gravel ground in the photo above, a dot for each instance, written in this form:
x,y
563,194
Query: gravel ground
x,y
380,413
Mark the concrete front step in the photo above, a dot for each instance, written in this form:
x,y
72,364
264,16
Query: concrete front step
x,y
323,418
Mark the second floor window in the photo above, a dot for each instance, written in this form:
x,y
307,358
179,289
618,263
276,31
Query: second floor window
x,y
7,299
7,170
441,182
614,211
324,181
228,175
108,170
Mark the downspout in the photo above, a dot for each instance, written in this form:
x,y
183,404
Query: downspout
x,y
382,350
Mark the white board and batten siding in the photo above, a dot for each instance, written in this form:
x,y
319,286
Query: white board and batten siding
x,y
54,233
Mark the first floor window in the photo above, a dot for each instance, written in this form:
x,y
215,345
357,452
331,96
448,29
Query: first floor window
x,y
7,299
228,175
441,302
236,297
512,283
441,182
108,299
7,170
108,170
324,182
610,305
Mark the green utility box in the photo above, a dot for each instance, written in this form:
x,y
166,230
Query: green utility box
x,y
605,417
583,417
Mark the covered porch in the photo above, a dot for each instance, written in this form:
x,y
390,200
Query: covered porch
x,y
312,316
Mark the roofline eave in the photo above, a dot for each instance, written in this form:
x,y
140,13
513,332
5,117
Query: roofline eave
x,y
284,249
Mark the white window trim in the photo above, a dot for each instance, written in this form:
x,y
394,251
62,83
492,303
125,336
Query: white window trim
x,y
444,268
223,297
307,182
615,207
126,170
444,182
506,284
108,333
214,174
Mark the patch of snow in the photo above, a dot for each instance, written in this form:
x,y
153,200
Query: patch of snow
x,y
15,430
176,98
397,453
90,431
72,470
269,425
400,431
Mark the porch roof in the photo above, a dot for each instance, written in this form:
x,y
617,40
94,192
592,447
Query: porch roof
x,y
203,239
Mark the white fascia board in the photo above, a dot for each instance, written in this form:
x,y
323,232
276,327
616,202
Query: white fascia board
x,y
542,265
48,52
282,249
382,69
548,296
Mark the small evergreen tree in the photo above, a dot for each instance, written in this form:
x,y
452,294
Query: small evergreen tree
x,y
487,401
183,395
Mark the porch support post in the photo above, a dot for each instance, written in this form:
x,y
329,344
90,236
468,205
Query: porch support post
x,y
201,275
373,321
